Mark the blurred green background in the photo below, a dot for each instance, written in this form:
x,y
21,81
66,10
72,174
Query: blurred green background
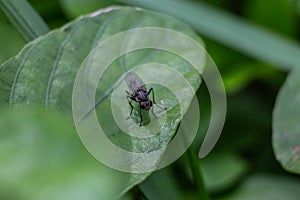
x,y
241,166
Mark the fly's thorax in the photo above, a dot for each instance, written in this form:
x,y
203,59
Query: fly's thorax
x,y
141,95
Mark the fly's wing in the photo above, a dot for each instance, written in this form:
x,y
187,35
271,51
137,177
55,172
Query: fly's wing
x,y
134,82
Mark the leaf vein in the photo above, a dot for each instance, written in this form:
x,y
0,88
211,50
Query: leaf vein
x,y
54,67
16,78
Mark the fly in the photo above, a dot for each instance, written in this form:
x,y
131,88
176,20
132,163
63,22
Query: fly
x,y
138,93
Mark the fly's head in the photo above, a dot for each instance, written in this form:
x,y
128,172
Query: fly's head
x,y
146,104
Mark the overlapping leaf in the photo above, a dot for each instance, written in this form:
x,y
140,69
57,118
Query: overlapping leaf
x,y
286,127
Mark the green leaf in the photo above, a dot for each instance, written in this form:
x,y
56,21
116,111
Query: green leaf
x,y
161,185
286,127
221,170
229,30
44,71
24,18
41,157
267,187
52,61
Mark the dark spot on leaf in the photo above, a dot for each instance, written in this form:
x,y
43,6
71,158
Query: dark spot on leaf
x,y
67,29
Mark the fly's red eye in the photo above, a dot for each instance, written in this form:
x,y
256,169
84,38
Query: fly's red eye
x,y
143,106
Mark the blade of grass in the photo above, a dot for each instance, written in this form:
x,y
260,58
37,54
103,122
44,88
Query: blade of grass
x,y
229,30
25,19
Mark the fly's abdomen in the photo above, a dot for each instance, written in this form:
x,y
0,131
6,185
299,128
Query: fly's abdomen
x,y
134,82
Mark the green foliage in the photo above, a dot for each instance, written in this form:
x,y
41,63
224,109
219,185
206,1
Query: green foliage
x,y
152,187
286,135
230,31
267,187
60,53
42,158
40,154
63,51
11,41
279,17
74,8
222,170
24,18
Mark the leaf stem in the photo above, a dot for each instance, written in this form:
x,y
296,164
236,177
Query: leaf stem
x,y
25,19
197,175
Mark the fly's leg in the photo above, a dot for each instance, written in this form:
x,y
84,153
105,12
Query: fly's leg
x,y
129,98
153,99
131,106
141,118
